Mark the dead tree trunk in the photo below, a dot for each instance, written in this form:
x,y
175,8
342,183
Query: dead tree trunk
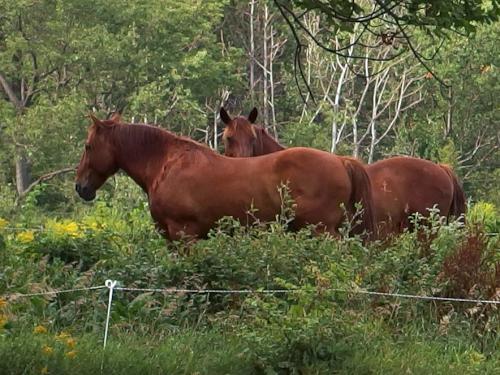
x,y
23,175
252,51
265,62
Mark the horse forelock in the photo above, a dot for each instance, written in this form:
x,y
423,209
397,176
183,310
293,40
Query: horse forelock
x,y
240,124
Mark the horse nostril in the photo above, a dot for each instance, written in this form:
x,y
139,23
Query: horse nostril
x,y
77,188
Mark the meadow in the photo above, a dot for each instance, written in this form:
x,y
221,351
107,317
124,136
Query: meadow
x,y
316,329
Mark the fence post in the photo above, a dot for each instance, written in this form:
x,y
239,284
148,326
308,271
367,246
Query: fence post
x,y
110,284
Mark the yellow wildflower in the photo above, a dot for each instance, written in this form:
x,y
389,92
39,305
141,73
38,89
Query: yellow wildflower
x,y
72,229
40,329
358,279
63,336
3,223
93,225
48,350
71,342
44,370
26,236
64,228
3,303
71,354
476,357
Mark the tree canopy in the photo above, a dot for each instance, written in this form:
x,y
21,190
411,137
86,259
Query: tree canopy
x,y
175,63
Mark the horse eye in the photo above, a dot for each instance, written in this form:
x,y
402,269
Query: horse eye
x,y
87,147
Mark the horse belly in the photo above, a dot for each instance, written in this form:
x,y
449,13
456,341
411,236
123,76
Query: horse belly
x,y
195,206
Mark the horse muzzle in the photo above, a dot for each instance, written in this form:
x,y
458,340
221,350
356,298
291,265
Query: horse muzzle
x,y
85,192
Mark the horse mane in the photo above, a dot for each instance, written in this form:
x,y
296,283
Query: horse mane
x,y
264,136
140,138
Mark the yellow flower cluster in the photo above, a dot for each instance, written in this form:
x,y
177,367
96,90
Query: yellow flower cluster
x,y
70,342
47,350
3,223
63,342
64,228
476,357
358,279
39,329
63,336
93,224
26,236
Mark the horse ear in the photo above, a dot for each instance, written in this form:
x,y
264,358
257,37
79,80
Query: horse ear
x,y
95,120
116,117
224,116
253,115
98,123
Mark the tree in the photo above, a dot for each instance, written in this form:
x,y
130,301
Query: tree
x,y
364,99
464,125
394,22
59,60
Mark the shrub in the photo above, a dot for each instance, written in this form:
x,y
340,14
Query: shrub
x,y
485,215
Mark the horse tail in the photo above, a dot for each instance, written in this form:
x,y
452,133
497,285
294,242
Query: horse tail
x,y
361,193
458,203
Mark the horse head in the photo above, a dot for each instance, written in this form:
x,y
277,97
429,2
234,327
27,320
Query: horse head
x,y
239,134
98,161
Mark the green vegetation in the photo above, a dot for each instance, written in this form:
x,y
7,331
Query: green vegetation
x,y
174,63
314,329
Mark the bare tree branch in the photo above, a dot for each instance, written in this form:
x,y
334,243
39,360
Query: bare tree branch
x,y
10,93
46,177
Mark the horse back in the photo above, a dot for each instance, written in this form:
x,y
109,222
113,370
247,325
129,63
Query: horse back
x,y
405,185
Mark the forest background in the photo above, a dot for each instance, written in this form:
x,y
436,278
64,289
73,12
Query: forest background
x,y
419,79
61,60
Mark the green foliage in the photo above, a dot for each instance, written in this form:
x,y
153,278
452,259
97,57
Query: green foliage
x,y
306,134
470,67
187,352
485,215
418,137
448,154
321,325
435,17
61,60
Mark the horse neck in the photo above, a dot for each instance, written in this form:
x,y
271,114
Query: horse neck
x,y
265,143
141,152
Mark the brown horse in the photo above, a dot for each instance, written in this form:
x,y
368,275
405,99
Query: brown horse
x,y
402,186
190,187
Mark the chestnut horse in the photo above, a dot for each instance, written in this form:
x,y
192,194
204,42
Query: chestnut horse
x,y
190,187
402,186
